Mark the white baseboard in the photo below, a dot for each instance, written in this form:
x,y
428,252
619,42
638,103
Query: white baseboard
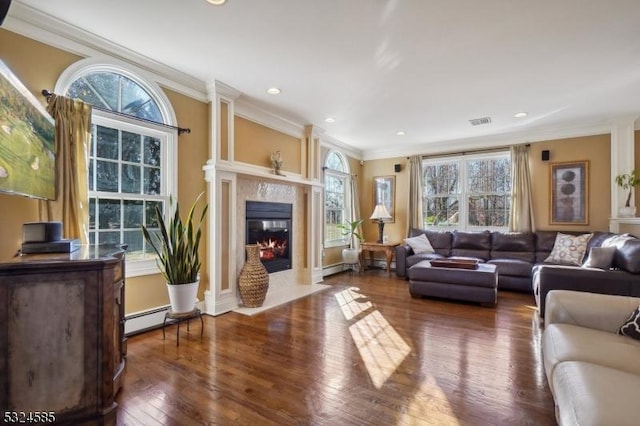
x,y
139,322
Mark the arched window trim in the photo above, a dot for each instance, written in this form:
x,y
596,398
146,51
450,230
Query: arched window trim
x,y
88,66
345,176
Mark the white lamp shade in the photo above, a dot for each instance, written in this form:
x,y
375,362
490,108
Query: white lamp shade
x,y
380,213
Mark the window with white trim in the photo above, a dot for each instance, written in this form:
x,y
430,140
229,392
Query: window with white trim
x,y
132,164
336,198
470,192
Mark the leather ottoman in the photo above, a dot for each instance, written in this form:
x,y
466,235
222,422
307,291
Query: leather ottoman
x,y
478,285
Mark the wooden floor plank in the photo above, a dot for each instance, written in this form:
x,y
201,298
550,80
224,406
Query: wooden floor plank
x,y
360,353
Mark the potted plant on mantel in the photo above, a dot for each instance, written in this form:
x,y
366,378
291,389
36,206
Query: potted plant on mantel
x,y
627,181
350,255
176,247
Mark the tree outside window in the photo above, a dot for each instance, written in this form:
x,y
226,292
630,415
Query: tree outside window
x,y
468,192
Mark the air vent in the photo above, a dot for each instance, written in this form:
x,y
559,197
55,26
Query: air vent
x,y
480,121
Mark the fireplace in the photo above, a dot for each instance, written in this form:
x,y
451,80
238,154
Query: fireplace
x,y
269,226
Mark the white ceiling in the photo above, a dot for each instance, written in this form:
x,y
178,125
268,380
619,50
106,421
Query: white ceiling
x,y
378,66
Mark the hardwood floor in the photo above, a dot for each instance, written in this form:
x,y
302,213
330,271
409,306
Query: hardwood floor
x,y
360,353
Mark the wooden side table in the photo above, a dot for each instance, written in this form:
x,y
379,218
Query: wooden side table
x,y
387,248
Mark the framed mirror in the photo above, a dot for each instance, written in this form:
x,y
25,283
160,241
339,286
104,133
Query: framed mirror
x,y
384,192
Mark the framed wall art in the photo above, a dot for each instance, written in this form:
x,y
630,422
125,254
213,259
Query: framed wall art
x,y
569,193
384,192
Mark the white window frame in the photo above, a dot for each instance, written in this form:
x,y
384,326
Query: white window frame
x,y
344,176
465,191
168,137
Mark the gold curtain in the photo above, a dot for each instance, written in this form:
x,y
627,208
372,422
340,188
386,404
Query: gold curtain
x,y
72,142
355,207
521,219
416,216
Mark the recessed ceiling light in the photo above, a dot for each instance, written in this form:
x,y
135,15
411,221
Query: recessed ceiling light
x,y
217,2
520,114
273,91
400,133
329,120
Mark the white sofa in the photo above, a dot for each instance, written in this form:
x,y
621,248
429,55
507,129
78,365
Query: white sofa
x,y
593,373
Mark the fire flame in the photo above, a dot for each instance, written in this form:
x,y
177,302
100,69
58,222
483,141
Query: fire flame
x,y
272,249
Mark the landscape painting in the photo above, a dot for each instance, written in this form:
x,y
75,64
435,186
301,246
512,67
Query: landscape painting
x,y
27,147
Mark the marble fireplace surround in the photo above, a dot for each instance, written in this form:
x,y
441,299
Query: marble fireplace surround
x,y
291,284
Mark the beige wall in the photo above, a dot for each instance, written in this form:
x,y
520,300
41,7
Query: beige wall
x,y
596,150
636,166
333,255
254,144
396,230
150,291
38,66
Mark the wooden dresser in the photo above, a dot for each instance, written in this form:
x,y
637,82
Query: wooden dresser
x,y
62,344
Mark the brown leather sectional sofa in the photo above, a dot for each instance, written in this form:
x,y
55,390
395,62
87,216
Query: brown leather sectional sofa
x,y
520,259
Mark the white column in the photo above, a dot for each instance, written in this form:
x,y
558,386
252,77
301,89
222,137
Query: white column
x,y
622,158
220,297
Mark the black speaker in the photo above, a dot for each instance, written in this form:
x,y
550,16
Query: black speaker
x,y
396,167
545,155
4,9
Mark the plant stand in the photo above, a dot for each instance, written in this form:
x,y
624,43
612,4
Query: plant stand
x,y
177,318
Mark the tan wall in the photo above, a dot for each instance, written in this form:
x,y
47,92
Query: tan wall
x,y
38,66
27,59
636,166
254,144
595,149
333,255
397,230
150,291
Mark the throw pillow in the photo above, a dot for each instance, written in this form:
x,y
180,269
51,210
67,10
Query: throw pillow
x,y
569,249
631,327
600,257
420,244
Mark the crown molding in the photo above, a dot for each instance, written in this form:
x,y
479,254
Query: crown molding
x,y
492,141
244,109
330,142
32,23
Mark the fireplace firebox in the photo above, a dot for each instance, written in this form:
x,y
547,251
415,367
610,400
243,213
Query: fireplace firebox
x,y
269,226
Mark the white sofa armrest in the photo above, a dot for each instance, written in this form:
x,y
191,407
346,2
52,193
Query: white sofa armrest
x,y
597,311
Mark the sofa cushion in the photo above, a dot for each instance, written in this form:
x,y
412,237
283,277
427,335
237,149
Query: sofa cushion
x,y
439,240
544,244
420,244
600,257
569,249
627,255
631,327
472,244
587,395
512,267
513,245
568,342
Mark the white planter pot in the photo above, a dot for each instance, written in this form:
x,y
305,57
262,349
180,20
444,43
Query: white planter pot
x,y
350,256
183,297
627,211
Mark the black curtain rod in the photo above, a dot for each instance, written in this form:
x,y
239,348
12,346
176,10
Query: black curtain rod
x,y
474,151
47,94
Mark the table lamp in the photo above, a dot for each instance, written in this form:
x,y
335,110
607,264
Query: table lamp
x,y
380,214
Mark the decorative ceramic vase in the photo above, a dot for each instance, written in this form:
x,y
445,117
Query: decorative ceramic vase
x,y
183,297
350,256
253,281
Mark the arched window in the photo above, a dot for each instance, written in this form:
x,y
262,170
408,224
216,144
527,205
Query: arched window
x,y
132,164
337,200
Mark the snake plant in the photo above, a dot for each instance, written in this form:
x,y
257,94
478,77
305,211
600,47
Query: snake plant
x,y
176,245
